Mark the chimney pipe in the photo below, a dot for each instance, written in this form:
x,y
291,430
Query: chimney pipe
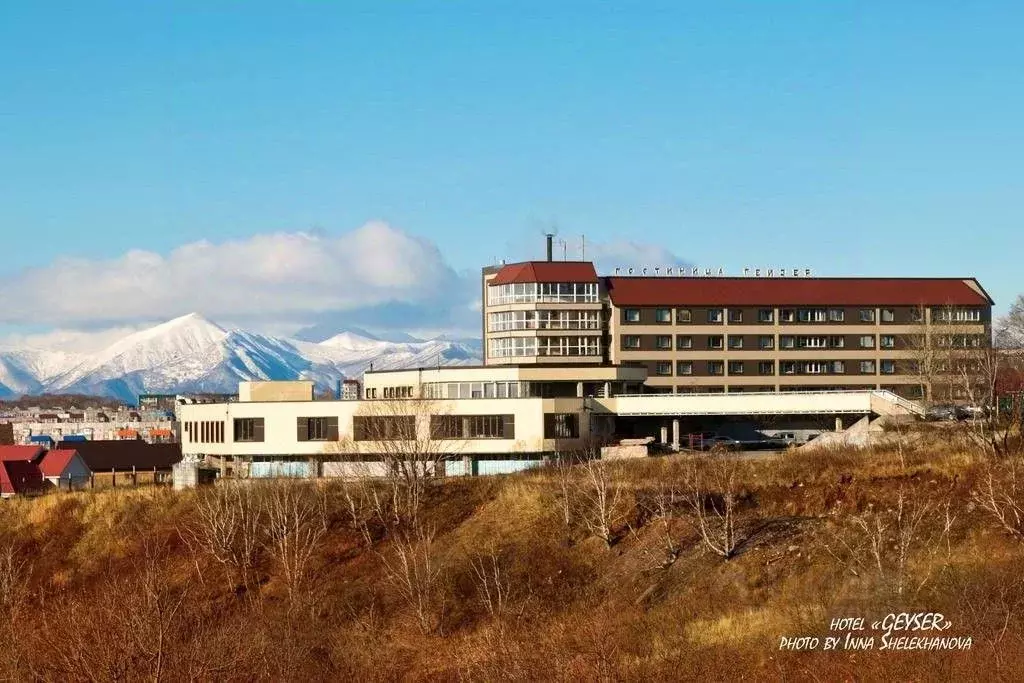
x,y
550,237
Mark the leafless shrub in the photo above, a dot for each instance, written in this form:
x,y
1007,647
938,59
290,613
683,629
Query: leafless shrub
x,y
885,542
228,528
494,586
416,573
661,510
14,569
1000,492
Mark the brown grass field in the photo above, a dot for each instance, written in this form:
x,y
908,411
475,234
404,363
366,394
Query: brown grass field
x,y
509,578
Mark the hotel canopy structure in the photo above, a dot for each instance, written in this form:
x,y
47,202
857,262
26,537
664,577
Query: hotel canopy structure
x,y
571,357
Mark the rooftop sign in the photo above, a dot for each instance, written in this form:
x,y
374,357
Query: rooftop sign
x,y
694,271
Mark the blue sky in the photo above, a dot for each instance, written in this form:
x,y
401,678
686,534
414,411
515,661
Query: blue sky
x,y
855,138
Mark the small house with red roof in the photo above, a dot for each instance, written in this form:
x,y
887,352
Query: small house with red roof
x,y
65,469
19,470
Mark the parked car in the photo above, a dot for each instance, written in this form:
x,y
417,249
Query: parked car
x,y
720,442
947,412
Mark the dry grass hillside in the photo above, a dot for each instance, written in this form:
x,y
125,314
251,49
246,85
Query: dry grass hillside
x,y
670,568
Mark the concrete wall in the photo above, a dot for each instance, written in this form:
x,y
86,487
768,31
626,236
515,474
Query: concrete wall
x,y
280,418
298,390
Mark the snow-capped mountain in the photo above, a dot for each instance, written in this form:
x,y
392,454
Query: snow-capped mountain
x,y
192,354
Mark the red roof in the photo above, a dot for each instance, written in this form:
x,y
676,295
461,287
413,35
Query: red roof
x,y
546,271
55,462
711,291
21,452
19,476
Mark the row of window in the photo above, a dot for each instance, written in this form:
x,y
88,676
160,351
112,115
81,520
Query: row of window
x,y
543,320
206,431
544,292
443,390
508,347
391,392
663,342
397,427
767,367
454,427
803,315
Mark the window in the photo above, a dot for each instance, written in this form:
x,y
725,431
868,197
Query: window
x,y
511,347
663,341
888,315
766,367
812,342
568,346
888,367
735,315
867,315
815,367
836,315
958,315
529,292
887,341
714,315
766,315
735,341
561,426
867,341
766,342
317,428
631,341
836,342
249,429
543,320
383,427
735,367
787,315
663,367
715,367
788,367
663,315
631,315
787,342
684,341
715,342
684,367
838,367
472,426
867,367
682,315
812,315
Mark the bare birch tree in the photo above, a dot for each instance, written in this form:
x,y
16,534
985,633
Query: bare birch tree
x,y
713,492
403,442
228,528
294,530
602,503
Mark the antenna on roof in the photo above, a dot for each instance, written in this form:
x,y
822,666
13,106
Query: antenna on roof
x,y
583,247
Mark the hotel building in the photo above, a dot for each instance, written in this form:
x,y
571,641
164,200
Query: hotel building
x,y
572,357
695,334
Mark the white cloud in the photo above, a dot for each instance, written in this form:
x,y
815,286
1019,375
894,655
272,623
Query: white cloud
x,y
80,341
281,276
376,277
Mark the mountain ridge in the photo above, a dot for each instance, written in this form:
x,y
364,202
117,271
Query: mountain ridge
x,y
193,354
